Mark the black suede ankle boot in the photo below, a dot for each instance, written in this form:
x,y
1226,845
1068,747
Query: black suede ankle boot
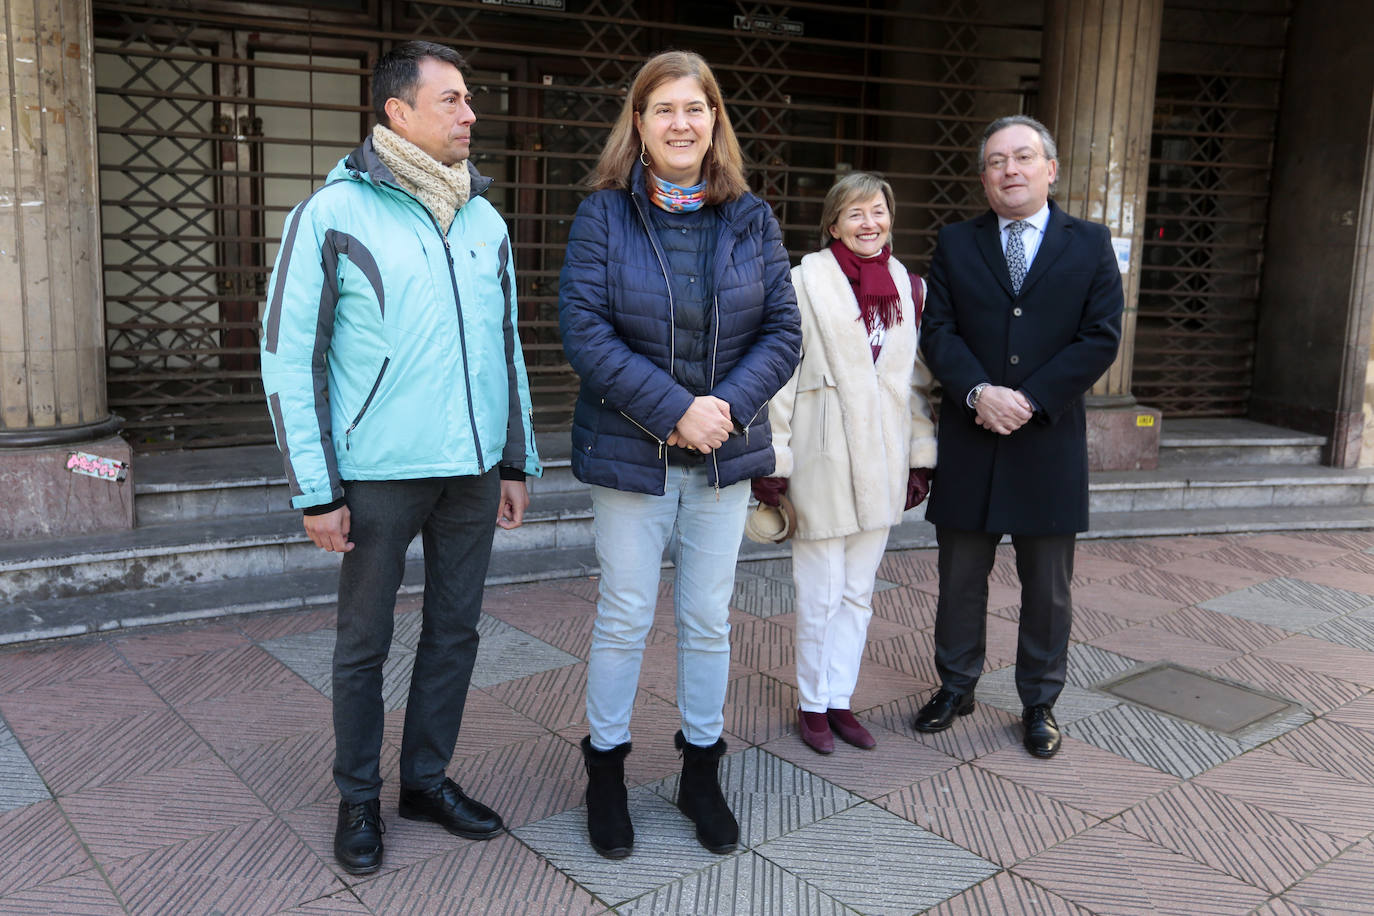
x,y
608,812
699,796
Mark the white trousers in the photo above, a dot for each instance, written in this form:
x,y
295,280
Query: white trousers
x,y
834,601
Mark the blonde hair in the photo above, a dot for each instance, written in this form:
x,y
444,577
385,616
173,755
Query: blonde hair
x,y
855,186
723,168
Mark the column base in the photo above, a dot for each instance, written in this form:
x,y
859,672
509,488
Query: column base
x,y
1123,438
47,495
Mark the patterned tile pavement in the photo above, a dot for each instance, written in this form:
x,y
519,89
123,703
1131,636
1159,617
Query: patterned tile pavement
x,y
185,770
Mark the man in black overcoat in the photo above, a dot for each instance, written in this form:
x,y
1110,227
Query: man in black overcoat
x,y
1022,317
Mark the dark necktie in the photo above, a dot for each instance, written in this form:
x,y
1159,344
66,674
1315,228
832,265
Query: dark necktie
x,y
1016,254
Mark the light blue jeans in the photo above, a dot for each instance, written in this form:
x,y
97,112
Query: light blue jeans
x,y
704,526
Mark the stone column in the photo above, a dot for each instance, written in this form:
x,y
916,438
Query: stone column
x,y
52,347
1099,63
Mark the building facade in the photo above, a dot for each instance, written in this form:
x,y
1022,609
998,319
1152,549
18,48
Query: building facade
x,y
156,149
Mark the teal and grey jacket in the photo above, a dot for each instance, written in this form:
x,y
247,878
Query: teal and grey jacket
x,y
389,348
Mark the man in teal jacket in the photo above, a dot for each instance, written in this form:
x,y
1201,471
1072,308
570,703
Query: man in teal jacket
x,y
398,392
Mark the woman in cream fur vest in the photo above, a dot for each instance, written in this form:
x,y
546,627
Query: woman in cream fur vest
x,y
854,443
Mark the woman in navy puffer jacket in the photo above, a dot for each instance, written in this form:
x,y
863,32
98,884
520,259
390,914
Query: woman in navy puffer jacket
x,y
677,311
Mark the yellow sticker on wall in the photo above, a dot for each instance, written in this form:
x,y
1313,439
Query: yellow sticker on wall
x,y
1144,419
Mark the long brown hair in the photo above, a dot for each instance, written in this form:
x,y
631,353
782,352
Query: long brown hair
x,y
723,168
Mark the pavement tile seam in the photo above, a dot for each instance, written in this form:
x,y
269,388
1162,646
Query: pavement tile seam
x,y
770,795
260,864
1219,629
20,782
1179,589
665,849
74,760
67,705
498,876
341,903
1163,742
991,816
1007,894
839,854
1354,632
1262,848
1262,561
40,847
1344,885
1322,657
1318,692
216,674
1311,796
1358,713
745,885
145,813
985,730
998,689
1306,593
57,663
1330,746
1087,778
83,894
1108,870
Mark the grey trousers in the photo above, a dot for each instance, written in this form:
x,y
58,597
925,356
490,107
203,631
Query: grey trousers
x,y
1044,565
457,517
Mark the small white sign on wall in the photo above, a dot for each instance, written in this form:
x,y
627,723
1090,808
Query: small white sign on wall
x,y
1122,247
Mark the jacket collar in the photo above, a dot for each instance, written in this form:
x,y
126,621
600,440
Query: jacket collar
x,y
363,164
1058,233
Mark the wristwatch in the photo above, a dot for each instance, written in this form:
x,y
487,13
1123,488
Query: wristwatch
x,y
975,393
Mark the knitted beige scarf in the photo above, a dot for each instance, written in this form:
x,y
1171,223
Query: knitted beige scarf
x,y
441,188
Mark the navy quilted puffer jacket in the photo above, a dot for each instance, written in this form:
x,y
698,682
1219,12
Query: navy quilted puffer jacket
x,y
615,314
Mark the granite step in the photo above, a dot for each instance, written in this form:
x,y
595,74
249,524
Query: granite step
x,y
1229,441
234,547
238,546
29,620
249,480
1229,486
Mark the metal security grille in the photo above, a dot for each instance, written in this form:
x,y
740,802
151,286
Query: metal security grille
x,y
1216,104
214,120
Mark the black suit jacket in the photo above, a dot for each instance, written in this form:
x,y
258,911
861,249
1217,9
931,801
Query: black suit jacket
x,y
1052,341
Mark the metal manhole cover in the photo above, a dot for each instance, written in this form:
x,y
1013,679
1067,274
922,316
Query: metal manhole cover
x,y
1211,703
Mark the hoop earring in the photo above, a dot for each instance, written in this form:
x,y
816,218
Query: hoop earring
x,y
643,157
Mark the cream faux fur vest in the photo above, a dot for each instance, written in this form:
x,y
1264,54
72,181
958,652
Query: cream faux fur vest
x,y
847,430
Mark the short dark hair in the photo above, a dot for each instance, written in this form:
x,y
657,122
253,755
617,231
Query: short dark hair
x,y
397,74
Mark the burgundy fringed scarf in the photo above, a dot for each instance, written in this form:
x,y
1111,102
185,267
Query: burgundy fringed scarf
x,y
879,303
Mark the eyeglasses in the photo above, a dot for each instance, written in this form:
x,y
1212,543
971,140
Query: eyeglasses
x,y
998,163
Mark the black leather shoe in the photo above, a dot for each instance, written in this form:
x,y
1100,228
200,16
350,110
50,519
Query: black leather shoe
x,y
1042,732
939,713
447,806
358,837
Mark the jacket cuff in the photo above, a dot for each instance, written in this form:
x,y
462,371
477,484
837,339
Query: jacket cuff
x,y
783,462
326,508
508,473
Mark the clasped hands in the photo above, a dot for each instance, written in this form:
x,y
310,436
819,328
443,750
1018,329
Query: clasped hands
x,y
1003,410
705,426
